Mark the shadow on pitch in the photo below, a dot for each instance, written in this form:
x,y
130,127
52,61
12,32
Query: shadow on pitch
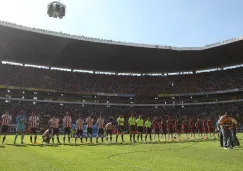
x,y
18,145
2,146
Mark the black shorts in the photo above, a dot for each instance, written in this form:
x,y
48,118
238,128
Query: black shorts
x,y
186,129
148,130
4,129
55,131
120,129
33,130
79,132
132,127
199,130
67,131
100,131
164,131
170,131
140,129
193,129
108,131
156,131
89,131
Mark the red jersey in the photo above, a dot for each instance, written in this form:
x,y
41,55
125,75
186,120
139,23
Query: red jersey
x,y
169,124
6,120
191,124
163,126
80,124
33,121
205,123
100,122
210,123
184,124
89,122
198,124
54,122
156,125
67,122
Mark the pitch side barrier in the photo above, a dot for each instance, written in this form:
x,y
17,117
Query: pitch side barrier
x,y
202,93
119,104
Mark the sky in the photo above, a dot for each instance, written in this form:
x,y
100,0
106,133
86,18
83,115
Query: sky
x,y
182,23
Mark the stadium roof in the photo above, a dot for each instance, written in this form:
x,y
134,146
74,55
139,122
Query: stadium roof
x,y
41,47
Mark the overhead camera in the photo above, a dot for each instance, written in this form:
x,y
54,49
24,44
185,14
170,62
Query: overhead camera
x,y
56,9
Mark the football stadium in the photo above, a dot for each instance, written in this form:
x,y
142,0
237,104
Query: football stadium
x,y
71,103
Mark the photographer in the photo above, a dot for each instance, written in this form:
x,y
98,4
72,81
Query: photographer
x,y
226,125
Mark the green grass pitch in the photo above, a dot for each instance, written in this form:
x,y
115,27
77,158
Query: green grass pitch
x,y
193,155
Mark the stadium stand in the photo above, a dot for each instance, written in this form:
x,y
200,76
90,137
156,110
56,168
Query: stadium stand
x,y
139,85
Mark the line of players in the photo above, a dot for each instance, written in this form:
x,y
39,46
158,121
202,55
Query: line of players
x,y
171,129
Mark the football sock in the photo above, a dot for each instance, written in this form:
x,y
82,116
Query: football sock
x,y
4,138
22,138
31,138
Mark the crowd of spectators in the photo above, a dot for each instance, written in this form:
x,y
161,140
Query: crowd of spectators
x,y
11,75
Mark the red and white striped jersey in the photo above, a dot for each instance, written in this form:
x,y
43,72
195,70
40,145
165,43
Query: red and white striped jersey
x,y
100,122
108,126
33,121
67,122
6,120
89,122
54,122
80,124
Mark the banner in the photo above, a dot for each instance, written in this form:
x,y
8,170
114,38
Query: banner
x,y
167,95
45,90
126,95
201,93
106,94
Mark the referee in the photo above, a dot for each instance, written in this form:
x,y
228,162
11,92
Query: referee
x,y
132,124
120,128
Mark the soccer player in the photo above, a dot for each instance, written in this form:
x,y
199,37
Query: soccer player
x,y
5,123
33,123
163,129
89,122
20,129
140,123
211,128
192,128
185,128
46,137
156,127
198,125
170,129
79,129
177,129
54,122
205,128
108,131
132,124
148,126
100,123
120,128
67,125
